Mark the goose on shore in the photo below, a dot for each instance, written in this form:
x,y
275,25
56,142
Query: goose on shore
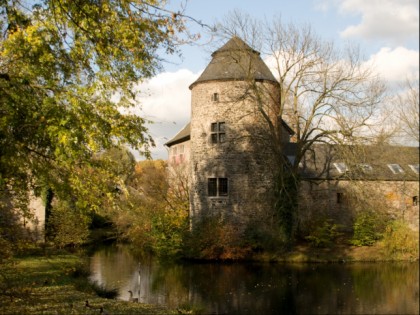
x,y
131,298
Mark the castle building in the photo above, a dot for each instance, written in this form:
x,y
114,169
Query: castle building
x,y
229,161
228,153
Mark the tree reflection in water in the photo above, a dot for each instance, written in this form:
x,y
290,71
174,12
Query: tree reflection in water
x,y
253,288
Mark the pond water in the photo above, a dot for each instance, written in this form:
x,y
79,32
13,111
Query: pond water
x,y
259,288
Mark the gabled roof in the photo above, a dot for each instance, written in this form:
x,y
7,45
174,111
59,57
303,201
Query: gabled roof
x,y
183,135
235,60
369,162
287,127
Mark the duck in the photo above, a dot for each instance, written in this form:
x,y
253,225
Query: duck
x,y
100,308
131,298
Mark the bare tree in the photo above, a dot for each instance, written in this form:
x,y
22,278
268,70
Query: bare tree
x,y
325,94
408,112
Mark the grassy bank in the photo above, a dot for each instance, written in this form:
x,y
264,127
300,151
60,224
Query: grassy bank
x,y
342,252
57,285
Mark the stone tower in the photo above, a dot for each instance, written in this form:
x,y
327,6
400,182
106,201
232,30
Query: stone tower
x,y
231,162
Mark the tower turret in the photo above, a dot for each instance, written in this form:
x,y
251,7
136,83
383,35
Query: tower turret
x,y
231,162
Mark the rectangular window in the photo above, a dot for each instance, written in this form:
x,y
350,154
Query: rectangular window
x,y
215,97
291,159
212,187
340,197
217,187
223,187
218,134
415,200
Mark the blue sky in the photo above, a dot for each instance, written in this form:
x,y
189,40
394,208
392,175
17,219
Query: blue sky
x,y
387,32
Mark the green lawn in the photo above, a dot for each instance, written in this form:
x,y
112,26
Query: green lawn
x,y
56,285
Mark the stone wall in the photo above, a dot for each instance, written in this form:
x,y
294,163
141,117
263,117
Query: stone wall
x,y
340,200
244,157
179,153
37,223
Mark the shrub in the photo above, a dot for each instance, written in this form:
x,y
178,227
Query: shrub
x,y
400,242
367,228
325,234
216,238
168,232
68,225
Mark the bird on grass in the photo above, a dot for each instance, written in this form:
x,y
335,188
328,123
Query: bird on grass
x,y
131,298
100,308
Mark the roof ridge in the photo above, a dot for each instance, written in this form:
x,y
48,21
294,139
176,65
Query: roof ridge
x,y
235,44
235,60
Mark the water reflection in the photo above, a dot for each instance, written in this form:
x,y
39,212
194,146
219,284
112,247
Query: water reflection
x,y
386,288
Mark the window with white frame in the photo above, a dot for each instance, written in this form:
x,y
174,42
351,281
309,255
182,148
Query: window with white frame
x,y
181,153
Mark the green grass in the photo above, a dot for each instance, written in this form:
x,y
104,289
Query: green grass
x,y
56,285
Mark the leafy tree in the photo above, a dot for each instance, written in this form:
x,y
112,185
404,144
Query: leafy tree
x,y
66,74
152,216
69,226
368,228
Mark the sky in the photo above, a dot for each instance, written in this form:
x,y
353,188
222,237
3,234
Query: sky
x,y
387,32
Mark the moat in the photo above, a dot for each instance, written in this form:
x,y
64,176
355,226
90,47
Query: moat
x,y
261,288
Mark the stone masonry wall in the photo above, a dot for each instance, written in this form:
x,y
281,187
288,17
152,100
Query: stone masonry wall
x,y
335,199
244,158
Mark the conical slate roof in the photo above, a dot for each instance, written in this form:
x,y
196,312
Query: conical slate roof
x,y
235,60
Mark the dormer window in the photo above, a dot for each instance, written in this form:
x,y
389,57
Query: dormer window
x,y
215,97
341,167
414,168
396,168
366,168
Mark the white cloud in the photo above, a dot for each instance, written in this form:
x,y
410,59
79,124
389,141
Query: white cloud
x,y
166,97
392,20
166,101
397,64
